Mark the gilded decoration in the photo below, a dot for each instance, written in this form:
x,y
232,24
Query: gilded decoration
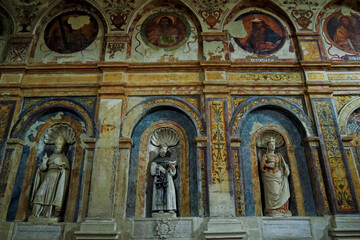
x,y
6,164
186,108
5,115
297,100
239,100
284,77
316,76
321,179
218,141
341,101
194,101
343,76
239,199
203,179
338,173
279,101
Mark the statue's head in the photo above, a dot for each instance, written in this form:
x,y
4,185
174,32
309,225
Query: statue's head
x,y
60,144
271,144
163,150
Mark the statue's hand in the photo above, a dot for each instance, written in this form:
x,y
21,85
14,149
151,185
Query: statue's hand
x,y
163,170
45,158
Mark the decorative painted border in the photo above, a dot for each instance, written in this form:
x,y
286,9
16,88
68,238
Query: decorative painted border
x,y
218,141
337,167
257,102
28,116
135,114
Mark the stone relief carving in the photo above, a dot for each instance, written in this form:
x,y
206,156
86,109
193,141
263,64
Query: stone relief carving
x,y
275,175
51,179
163,169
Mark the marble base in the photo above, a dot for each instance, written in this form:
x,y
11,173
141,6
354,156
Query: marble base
x,y
93,229
164,214
345,227
228,229
26,231
42,220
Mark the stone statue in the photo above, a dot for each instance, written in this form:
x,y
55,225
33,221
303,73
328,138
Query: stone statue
x,y
275,177
51,179
163,168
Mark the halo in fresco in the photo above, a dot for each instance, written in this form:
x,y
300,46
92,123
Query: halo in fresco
x,y
344,31
71,32
165,30
263,34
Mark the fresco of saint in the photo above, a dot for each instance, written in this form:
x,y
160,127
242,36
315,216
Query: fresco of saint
x,y
264,34
344,31
165,31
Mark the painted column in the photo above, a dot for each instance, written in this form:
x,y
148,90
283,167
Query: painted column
x,y
102,183
238,181
341,192
313,154
11,163
122,178
201,143
89,156
219,166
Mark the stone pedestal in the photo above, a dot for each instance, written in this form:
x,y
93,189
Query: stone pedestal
x,y
171,214
228,229
25,231
345,227
97,230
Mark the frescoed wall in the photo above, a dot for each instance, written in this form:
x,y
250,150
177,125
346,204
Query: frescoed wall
x,y
179,119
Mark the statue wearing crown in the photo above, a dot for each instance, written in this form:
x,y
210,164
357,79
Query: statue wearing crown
x,y
275,175
163,169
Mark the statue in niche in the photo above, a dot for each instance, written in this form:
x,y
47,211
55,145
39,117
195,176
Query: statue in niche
x,y
52,177
163,169
275,175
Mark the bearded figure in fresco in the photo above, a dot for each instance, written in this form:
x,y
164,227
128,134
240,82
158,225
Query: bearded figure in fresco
x,y
166,33
275,178
52,177
347,36
163,169
262,38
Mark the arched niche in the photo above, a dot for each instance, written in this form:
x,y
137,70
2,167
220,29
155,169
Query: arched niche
x,y
275,43
265,116
147,42
139,179
69,31
30,129
287,151
349,125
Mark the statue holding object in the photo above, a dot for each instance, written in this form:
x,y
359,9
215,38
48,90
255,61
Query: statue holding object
x,y
275,176
163,169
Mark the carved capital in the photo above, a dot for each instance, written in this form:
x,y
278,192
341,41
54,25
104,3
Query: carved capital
x,y
125,143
